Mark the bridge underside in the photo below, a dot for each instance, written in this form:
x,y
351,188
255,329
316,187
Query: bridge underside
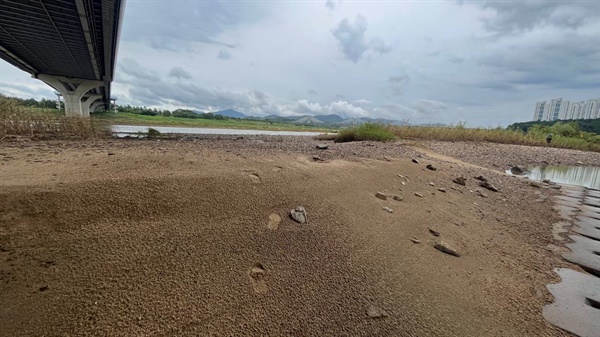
x,y
69,44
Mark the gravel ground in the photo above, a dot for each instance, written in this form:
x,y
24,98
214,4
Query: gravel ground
x,y
181,238
502,156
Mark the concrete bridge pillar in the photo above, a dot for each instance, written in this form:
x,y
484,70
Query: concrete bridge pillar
x,y
96,105
72,90
85,105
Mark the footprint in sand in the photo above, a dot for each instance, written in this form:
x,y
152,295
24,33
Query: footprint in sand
x,y
274,220
255,178
257,278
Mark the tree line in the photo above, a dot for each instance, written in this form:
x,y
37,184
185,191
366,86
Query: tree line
x,y
140,110
571,127
181,113
44,103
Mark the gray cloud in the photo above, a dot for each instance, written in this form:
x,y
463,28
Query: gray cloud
x,y
428,106
224,54
330,4
515,16
22,90
180,73
397,84
561,59
312,92
131,67
165,26
352,41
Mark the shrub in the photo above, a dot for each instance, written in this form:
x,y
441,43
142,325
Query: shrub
x,y
366,131
153,133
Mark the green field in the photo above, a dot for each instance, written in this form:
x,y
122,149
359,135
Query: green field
x,y
125,118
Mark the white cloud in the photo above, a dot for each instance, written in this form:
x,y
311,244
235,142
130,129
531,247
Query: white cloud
x,y
353,42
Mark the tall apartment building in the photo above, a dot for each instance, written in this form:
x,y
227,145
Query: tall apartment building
x,y
558,108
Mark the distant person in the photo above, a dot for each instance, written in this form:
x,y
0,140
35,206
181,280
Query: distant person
x,y
549,138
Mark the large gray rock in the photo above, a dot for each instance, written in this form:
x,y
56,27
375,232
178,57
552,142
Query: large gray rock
x,y
299,215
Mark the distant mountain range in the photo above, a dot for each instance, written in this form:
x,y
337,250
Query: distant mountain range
x,y
331,119
231,113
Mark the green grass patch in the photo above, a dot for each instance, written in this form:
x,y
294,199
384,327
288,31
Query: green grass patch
x,y
366,131
126,118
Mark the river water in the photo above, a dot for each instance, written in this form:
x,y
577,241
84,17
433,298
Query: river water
x,y
587,176
124,130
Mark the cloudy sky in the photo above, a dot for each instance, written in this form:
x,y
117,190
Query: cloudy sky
x,y
484,62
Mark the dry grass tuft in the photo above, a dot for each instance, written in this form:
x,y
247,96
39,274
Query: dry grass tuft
x,y
16,120
492,135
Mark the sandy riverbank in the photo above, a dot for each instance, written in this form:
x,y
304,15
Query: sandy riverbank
x,y
173,238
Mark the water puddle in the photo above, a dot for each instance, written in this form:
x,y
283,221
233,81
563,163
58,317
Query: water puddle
x,y
587,176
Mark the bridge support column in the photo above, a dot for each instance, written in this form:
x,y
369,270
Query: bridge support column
x,y
96,105
85,105
72,90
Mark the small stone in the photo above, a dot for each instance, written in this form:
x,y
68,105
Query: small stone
x,y
111,154
519,170
415,161
434,232
579,163
414,240
482,178
274,220
431,184
381,196
322,146
459,180
299,215
398,198
431,167
441,189
535,184
419,195
556,187
481,194
488,186
44,288
317,158
403,183
387,158
389,210
546,181
375,312
446,248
